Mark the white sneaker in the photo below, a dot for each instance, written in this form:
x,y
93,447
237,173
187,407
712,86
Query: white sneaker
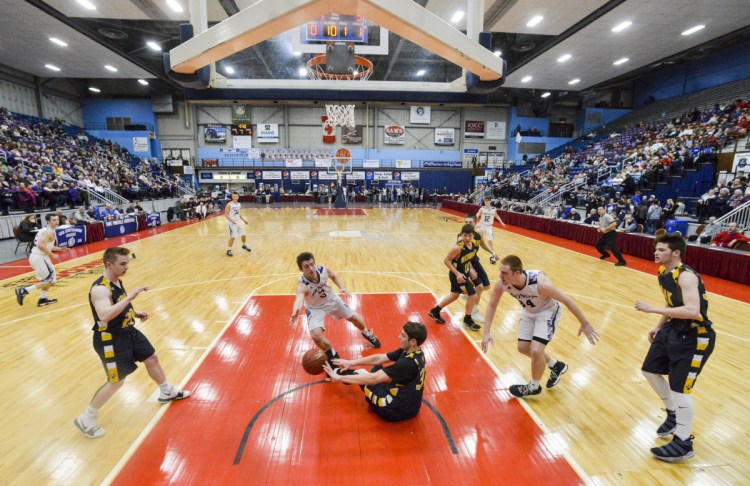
x,y
89,427
174,396
476,315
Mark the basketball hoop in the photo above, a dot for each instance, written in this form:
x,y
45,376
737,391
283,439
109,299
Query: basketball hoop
x,y
317,69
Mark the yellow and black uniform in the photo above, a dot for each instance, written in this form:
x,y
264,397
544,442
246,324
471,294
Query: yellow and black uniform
x,y
482,278
682,346
462,262
117,342
401,398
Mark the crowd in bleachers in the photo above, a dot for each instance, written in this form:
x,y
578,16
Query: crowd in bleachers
x,y
46,164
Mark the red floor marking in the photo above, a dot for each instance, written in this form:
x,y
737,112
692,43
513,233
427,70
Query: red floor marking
x,y
324,433
340,212
715,285
91,248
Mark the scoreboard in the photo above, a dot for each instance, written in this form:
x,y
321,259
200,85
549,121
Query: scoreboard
x,y
336,28
241,129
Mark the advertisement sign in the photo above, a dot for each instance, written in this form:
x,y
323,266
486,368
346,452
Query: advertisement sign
x,y
119,227
469,154
268,132
495,130
394,135
741,162
442,164
153,219
445,136
293,163
473,129
410,176
403,164
240,114
140,144
420,115
397,176
355,176
351,135
207,176
233,153
325,176
222,176
70,236
300,175
271,175
329,131
322,163
214,134
380,175
369,175
243,142
371,164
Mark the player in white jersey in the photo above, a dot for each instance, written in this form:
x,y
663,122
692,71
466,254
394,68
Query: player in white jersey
x,y
320,300
233,215
486,216
40,260
539,318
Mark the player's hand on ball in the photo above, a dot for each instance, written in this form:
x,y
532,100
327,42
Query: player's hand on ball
x,y
486,340
343,363
331,372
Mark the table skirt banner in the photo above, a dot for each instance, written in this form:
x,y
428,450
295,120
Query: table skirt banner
x,y
153,219
118,227
70,236
95,232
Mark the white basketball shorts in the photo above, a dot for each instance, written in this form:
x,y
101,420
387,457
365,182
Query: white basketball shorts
x,y
541,325
336,308
43,268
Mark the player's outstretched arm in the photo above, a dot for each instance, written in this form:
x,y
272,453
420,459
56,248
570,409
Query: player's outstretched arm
x,y
499,220
298,301
365,378
691,309
547,289
101,299
335,279
489,314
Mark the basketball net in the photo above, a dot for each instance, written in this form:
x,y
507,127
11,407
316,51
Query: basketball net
x,y
341,115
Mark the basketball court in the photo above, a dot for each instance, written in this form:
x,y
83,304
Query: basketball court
x,y
220,327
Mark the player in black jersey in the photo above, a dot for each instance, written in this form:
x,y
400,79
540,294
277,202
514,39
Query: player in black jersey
x,y
458,260
394,392
482,281
681,343
117,342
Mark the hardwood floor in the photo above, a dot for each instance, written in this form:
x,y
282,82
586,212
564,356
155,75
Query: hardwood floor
x,y
603,414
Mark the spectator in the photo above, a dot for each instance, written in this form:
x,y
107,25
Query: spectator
x,y
628,225
653,217
710,230
729,237
592,218
81,217
27,228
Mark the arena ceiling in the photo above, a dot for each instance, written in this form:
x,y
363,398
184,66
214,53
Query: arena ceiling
x,y
573,41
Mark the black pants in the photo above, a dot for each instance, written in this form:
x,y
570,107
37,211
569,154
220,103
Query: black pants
x,y
609,240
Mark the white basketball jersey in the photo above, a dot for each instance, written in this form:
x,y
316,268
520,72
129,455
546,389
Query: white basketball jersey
x,y
320,294
529,296
488,216
234,210
42,233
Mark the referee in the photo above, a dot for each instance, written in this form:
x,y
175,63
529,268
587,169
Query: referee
x,y
607,225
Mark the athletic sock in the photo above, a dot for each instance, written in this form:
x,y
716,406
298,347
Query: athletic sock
x,y
30,288
91,412
684,414
166,388
43,294
551,363
534,384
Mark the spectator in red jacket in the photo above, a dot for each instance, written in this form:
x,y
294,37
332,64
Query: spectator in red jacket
x,y
729,237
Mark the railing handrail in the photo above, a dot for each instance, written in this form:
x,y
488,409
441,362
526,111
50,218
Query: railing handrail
x,y
739,215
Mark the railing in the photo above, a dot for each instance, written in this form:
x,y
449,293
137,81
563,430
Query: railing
x,y
739,215
105,196
479,195
580,180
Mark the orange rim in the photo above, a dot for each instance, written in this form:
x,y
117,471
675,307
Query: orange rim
x,y
360,61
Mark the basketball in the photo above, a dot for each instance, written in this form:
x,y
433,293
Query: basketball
x,y
313,360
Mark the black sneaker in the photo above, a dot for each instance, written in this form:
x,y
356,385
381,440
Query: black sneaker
x,y
669,425
20,294
520,391
43,302
470,324
603,257
435,314
676,450
620,264
229,253
374,341
492,260
556,373
246,248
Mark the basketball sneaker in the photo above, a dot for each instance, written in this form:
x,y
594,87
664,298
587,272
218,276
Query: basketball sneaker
x,y
676,450
493,260
435,314
470,324
374,341
174,396
20,294
229,253
520,391
555,373
246,248
669,425
88,426
45,301
476,315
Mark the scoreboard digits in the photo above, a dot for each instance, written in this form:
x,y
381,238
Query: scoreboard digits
x,y
335,27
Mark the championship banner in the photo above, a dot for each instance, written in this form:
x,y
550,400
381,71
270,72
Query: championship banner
x,y
495,130
329,131
269,175
355,176
403,164
118,227
394,135
371,164
473,129
153,219
293,163
351,135
741,161
267,132
300,175
380,175
140,144
240,114
70,236
233,153
410,176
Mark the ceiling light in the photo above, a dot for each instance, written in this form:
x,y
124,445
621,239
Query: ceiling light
x,y
174,5
110,68
622,26
526,79
229,69
420,72
621,61
457,16
153,45
498,53
94,90
57,41
693,30
546,95
535,20
302,72
52,67
297,53
86,4
143,82
574,81
564,58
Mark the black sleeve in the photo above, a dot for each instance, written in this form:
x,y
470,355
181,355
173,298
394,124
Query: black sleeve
x,y
395,355
404,371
